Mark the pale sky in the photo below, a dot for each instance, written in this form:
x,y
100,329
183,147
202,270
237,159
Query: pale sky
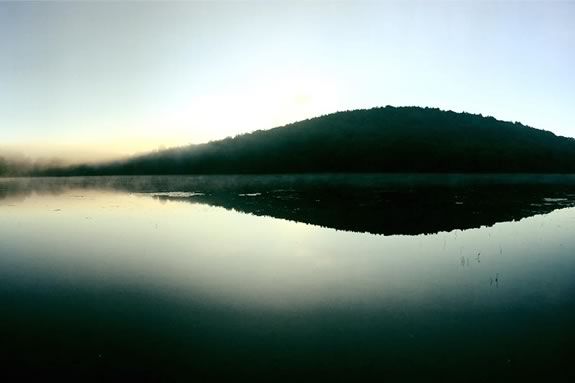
x,y
88,79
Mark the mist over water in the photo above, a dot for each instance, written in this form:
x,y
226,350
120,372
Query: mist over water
x,y
169,277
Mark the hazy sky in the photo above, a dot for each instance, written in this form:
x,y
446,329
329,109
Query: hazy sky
x,y
94,78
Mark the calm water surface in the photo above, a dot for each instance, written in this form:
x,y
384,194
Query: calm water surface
x,y
337,277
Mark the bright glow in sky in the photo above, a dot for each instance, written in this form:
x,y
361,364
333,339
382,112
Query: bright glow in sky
x,y
96,78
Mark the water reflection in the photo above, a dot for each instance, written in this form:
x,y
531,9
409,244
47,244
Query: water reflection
x,y
143,276
378,204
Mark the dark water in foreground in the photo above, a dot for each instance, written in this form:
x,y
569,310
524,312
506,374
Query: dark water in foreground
x,y
408,277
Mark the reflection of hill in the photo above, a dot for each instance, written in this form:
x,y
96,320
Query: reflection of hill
x,y
381,204
382,211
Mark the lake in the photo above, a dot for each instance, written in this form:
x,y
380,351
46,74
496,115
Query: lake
x,y
407,277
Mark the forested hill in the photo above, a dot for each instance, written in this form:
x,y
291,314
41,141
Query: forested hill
x,y
389,139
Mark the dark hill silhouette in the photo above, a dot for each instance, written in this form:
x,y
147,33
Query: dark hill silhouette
x,y
389,139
